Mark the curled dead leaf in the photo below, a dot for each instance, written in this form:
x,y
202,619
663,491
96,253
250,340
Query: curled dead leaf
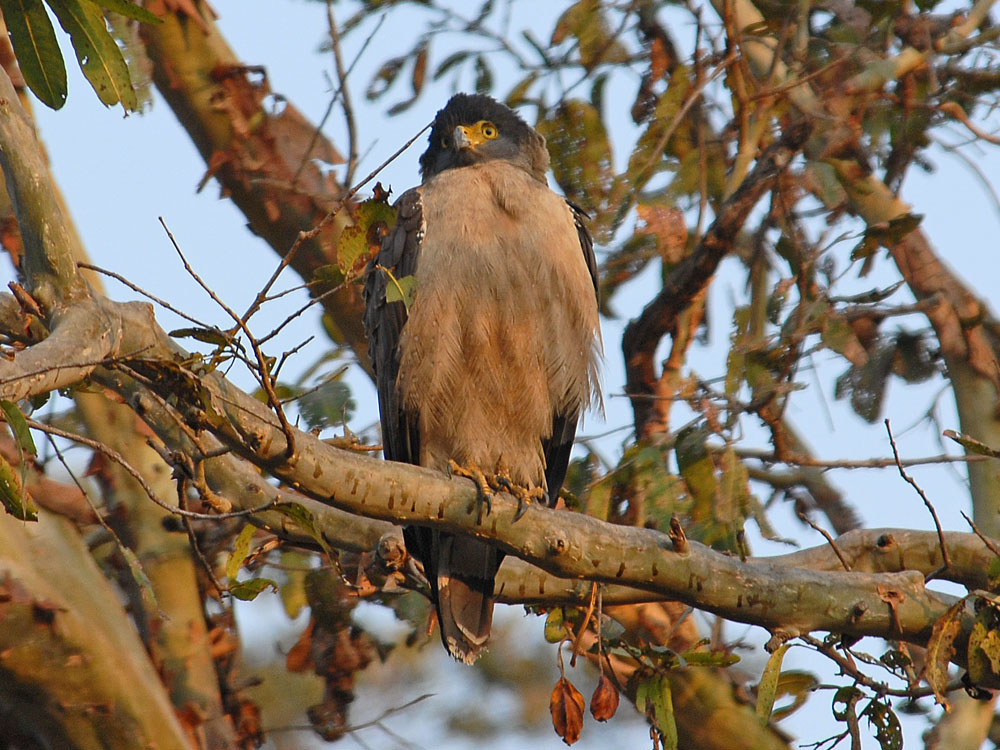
x,y
299,658
604,701
940,650
566,706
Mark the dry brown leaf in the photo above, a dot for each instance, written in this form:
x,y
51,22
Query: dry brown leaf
x,y
604,701
299,658
940,649
667,226
566,706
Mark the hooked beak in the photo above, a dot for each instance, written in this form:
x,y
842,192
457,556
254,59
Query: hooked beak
x,y
465,138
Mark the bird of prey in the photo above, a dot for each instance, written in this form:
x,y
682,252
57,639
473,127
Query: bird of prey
x,y
488,371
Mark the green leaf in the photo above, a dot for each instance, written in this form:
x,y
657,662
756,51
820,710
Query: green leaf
x,y
100,58
212,336
129,10
696,466
293,593
654,699
800,685
581,153
37,50
401,290
249,590
19,427
824,183
888,732
450,62
556,628
586,21
241,548
837,335
984,645
720,659
734,488
327,404
373,218
768,687
385,77
329,274
13,496
886,234
305,520
518,95
972,445
484,76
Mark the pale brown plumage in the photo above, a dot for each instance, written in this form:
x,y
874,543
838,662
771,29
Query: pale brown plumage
x,y
498,354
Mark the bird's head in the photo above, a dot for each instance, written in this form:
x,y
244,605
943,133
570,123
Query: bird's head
x,y
474,128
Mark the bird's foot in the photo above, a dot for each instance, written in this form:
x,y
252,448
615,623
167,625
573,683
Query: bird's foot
x,y
523,495
484,489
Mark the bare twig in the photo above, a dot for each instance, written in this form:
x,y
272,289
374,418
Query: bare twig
x,y
849,668
986,540
134,473
264,374
345,95
139,290
937,523
583,627
829,539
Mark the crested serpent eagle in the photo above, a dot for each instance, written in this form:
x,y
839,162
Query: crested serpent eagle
x,y
488,371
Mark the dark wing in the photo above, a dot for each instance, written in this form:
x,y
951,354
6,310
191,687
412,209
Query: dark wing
x,y
586,244
384,321
558,447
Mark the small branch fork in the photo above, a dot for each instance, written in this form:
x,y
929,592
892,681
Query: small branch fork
x,y
113,455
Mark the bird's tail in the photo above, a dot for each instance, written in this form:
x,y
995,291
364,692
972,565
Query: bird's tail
x,y
466,570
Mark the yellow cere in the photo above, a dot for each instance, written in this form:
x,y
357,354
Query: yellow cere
x,y
482,131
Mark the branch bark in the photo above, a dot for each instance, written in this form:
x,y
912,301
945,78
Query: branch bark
x,y
75,674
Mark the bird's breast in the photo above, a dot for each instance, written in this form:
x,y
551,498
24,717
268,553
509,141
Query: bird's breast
x,y
501,334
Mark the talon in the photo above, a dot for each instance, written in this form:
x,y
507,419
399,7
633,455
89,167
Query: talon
x,y
484,491
523,495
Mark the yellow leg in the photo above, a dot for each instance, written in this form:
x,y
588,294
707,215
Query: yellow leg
x,y
483,488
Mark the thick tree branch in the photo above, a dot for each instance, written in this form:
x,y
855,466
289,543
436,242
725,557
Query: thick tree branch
x,y
81,340
75,674
771,594
48,267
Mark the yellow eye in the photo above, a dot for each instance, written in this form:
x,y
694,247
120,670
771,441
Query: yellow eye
x,y
488,129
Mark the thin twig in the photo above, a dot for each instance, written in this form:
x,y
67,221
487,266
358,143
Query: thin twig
x,y
139,290
193,539
583,627
862,463
985,539
107,527
134,473
264,374
345,95
354,190
105,362
880,688
333,102
830,539
937,523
